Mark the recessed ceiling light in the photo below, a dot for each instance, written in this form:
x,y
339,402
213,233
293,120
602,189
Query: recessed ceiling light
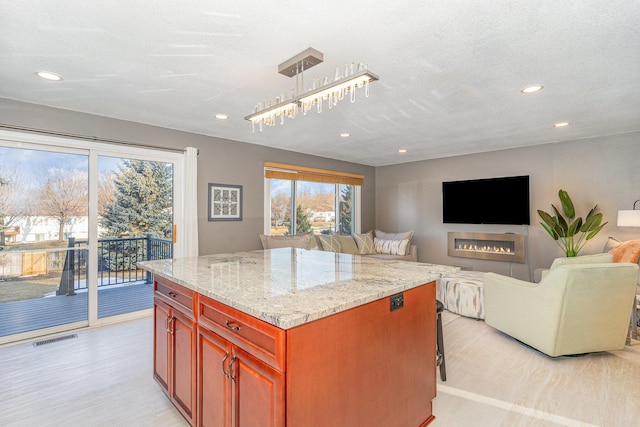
x,y
402,151
48,75
561,124
345,135
221,116
531,89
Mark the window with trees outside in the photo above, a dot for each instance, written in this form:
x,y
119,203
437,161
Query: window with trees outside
x,y
305,200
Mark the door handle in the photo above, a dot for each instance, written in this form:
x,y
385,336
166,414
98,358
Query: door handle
x,y
171,321
226,356
233,360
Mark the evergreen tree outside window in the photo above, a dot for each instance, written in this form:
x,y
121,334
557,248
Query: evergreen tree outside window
x,y
303,224
346,211
142,202
138,203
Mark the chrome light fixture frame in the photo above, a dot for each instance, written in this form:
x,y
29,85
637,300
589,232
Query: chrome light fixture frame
x,y
354,77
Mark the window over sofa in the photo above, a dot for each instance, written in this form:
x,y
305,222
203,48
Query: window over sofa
x,y
307,200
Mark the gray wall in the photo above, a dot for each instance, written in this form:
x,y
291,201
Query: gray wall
x,y
395,198
219,161
603,171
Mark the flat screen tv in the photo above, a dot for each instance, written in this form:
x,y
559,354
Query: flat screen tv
x,y
486,201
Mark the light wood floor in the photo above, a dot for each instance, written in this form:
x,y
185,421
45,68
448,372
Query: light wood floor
x,y
101,378
493,380
104,378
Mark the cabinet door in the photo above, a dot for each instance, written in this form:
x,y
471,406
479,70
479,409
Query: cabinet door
x,y
161,315
258,391
183,363
214,385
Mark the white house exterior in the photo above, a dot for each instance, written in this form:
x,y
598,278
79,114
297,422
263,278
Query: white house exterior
x,y
43,228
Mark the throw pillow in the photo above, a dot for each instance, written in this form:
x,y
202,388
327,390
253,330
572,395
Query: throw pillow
x,y
295,241
611,243
348,245
330,243
628,251
364,243
408,235
390,247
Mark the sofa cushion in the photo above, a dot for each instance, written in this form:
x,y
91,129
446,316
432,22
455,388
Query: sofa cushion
x,y
330,243
611,243
364,243
348,245
295,241
391,247
407,235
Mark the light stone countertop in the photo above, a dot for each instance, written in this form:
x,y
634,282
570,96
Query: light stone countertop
x,y
289,287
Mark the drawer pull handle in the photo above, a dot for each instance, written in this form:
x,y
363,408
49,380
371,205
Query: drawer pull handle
x,y
233,326
173,295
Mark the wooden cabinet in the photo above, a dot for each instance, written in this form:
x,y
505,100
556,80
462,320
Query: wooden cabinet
x,y
214,387
174,345
258,392
370,365
161,316
235,385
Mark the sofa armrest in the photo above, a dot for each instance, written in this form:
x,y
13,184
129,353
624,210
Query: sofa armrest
x,y
414,253
527,311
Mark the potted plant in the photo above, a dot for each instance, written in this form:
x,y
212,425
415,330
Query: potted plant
x,y
570,233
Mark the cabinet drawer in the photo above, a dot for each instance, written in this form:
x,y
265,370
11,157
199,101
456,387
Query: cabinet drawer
x,y
256,337
176,295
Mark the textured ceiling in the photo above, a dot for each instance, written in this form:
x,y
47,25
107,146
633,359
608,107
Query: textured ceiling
x,y
450,70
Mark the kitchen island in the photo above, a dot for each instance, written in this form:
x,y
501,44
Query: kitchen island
x,y
296,337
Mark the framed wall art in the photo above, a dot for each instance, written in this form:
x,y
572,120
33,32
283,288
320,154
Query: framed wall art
x,y
225,202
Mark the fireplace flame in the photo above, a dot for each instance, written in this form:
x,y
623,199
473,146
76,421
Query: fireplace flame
x,y
483,248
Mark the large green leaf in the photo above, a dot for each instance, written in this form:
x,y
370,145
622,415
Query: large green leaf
x,y
550,230
574,227
548,219
561,224
567,204
593,221
595,231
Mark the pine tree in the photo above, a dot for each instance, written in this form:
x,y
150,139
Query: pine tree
x,y
143,201
302,220
346,210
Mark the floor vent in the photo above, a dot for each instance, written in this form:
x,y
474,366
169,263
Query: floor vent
x,y
56,339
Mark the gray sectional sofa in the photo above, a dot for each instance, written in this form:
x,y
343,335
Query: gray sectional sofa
x,y
375,243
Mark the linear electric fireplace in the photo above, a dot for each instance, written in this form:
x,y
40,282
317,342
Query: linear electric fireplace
x,y
490,246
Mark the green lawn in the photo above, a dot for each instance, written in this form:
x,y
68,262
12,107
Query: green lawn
x,y
27,288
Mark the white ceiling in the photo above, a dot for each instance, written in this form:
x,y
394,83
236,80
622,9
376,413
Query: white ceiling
x,y
450,70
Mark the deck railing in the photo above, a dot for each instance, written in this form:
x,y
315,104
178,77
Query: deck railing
x,y
117,261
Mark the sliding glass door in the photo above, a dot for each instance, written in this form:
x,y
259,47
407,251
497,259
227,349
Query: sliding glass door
x,y
75,219
135,223
44,201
